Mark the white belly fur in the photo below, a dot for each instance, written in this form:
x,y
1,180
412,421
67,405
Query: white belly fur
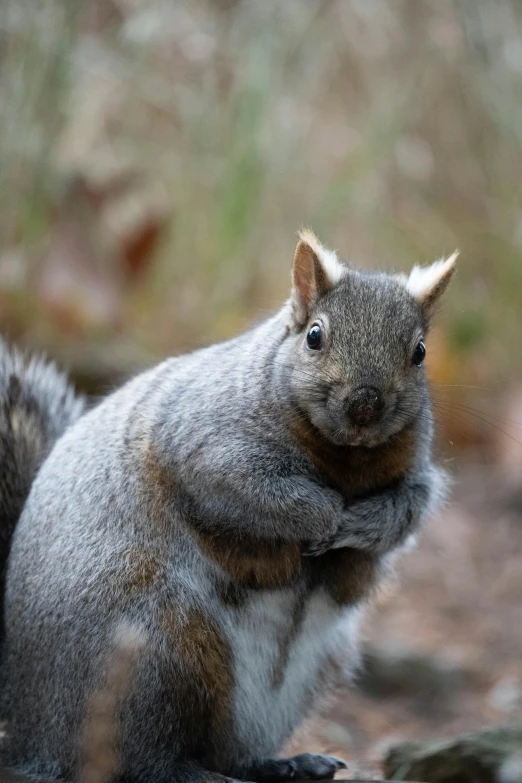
x,y
265,716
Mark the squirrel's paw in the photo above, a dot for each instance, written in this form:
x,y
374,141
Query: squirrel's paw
x,y
306,766
313,766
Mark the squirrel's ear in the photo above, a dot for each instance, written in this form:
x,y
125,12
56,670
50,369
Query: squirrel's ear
x,y
316,271
427,284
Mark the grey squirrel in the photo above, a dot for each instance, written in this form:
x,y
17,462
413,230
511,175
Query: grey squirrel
x,y
237,506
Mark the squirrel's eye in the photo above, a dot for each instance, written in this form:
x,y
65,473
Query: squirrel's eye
x,y
419,354
314,337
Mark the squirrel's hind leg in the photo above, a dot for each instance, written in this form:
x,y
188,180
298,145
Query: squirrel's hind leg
x,y
306,766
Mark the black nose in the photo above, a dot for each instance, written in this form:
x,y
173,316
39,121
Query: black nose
x,y
364,406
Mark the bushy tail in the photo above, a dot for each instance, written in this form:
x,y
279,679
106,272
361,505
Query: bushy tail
x,y
37,404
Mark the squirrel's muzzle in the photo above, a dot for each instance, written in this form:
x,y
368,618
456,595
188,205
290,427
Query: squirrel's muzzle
x,y
364,406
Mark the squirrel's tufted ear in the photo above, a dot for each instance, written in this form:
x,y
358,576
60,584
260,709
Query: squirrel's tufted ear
x,y
316,270
427,284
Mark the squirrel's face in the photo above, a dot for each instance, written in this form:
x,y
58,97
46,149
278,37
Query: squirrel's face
x,y
356,355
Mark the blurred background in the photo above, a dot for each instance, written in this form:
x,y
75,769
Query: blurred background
x,y
156,160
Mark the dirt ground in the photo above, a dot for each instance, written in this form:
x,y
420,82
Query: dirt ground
x,y
457,598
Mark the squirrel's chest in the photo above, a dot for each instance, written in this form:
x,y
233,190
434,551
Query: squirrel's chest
x,y
349,575
356,470
346,575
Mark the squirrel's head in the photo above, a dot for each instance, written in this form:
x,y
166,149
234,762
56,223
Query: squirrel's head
x,y
357,346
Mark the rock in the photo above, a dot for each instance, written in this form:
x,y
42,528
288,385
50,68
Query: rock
x,y
397,670
488,756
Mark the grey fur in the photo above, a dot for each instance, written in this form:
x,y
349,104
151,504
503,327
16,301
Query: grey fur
x,y
201,446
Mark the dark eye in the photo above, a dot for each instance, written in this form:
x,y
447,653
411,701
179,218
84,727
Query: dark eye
x,y
314,337
419,354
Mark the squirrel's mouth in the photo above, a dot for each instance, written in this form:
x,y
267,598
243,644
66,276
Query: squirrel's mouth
x,y
369,436
366,439
368,431
337,426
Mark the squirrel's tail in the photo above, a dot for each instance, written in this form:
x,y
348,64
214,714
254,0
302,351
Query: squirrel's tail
x,y
37,404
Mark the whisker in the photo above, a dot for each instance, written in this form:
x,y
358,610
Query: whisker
x,y
451,412
469,409
471,386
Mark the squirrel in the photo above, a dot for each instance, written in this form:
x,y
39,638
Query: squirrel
x,y
237,506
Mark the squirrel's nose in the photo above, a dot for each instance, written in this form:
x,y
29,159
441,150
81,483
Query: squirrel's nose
x,y
364,406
